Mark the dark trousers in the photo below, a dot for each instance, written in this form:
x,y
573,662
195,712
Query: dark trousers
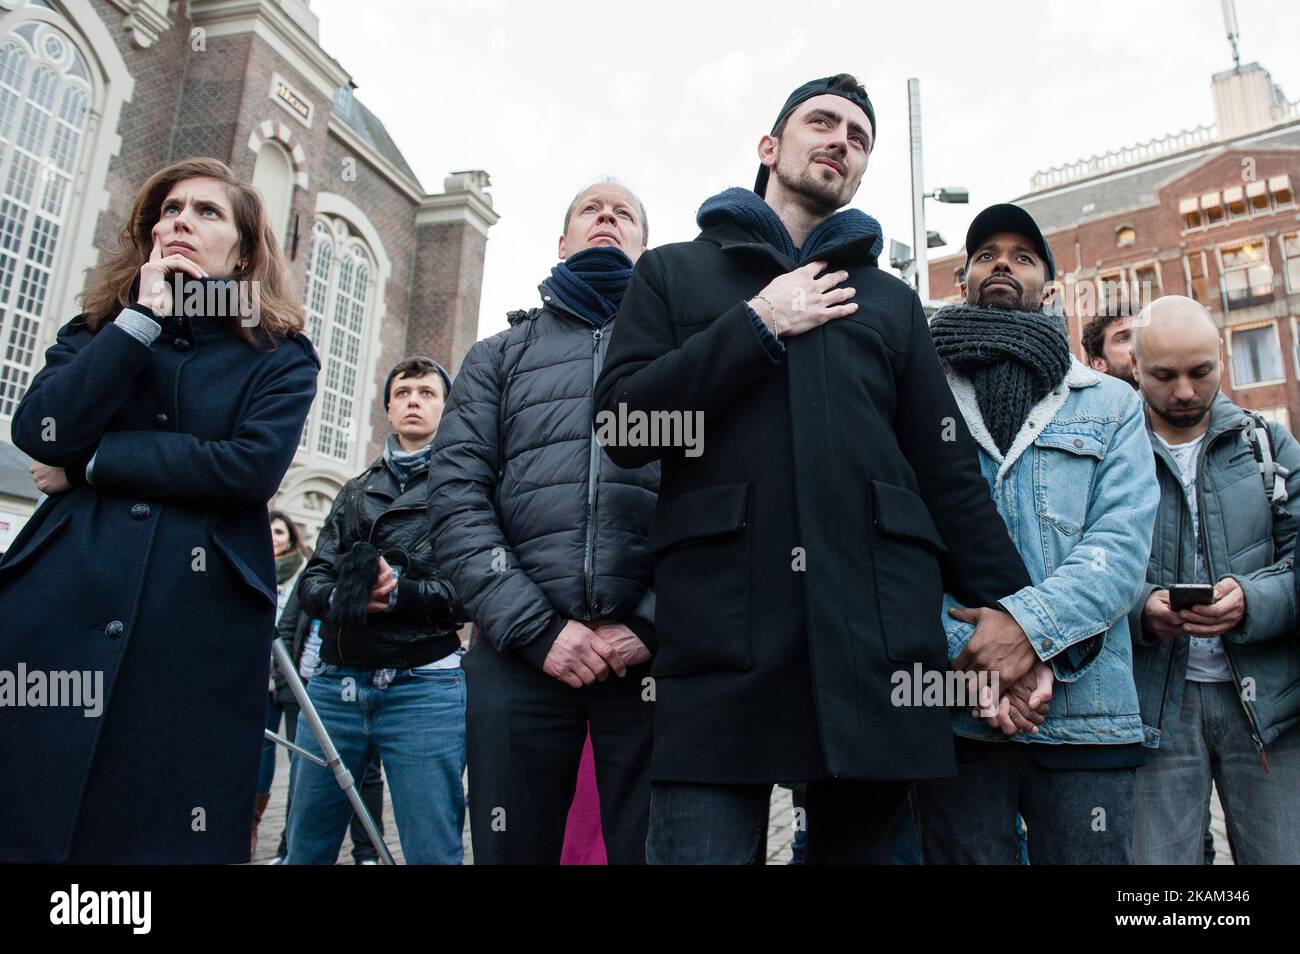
x,y
1074,817
525,735
850,822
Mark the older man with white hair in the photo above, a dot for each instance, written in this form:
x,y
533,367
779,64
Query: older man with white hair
x,y
1215,655
545,540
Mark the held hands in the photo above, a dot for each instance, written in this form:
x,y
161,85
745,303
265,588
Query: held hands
x,y
1024,708
1215,619
799,301
49,480
998,644
155,294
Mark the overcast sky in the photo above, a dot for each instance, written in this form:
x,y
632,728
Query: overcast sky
x,y
672,98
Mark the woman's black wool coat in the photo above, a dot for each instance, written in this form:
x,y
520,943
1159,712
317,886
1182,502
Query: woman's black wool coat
x,y
160,576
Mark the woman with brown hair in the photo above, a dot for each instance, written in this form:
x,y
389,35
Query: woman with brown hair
x,y
163,421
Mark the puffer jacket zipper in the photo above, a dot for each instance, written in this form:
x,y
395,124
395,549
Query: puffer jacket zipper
x,y
1178,575
593,485
1209,572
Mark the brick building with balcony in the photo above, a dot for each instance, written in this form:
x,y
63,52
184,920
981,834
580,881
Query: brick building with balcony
x,y
96,95
1209,213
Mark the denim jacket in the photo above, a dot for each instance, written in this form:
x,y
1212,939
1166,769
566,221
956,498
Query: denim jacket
x,y
1077,489
1242,537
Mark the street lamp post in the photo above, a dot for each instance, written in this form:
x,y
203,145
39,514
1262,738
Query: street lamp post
x,y
919,239
923,239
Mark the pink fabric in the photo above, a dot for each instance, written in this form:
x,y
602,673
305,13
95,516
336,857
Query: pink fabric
x,y
583,842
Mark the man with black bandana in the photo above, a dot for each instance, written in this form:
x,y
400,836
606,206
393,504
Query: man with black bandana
x,y
800,560
1064,449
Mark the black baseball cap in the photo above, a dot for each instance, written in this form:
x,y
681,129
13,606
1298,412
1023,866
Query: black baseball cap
x,y
817,87
1006,217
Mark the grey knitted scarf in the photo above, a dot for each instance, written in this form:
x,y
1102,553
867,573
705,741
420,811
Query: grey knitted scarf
x,y
1013,359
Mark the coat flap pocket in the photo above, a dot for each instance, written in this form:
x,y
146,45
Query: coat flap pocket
x,y
901,513
711,512
23,550
1079,439
246,572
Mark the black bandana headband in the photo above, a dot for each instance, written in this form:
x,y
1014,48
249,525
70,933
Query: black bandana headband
x,y
817,87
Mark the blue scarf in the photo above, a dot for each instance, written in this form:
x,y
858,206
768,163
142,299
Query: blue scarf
x,y
591,283
402,463
751,213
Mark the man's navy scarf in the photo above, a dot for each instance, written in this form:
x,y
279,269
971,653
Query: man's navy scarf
x,y
751,213
591,283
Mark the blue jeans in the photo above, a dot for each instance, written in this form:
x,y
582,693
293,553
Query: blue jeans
x,y
1209,740
418,726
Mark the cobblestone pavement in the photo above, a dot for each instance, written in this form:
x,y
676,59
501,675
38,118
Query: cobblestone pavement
x,y
779,828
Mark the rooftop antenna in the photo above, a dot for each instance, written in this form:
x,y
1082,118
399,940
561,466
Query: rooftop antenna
x,y
1230,21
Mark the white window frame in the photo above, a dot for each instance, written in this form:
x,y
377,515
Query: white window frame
x,y
1154,264
1277,340
111,87
27,296
1187,272
344,243
1286,274
1244,240
1295,345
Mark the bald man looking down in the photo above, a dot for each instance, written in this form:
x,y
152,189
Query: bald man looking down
x,y
1215,680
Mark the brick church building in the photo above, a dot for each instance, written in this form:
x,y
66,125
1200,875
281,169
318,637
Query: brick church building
x,y
96,95
1210,213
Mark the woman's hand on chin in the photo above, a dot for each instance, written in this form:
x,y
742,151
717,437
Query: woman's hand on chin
x,y
155,293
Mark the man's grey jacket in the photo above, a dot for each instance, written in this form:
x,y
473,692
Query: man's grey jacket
x,y
1245,538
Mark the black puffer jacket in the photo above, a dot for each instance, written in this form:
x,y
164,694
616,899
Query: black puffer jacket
x,y
374,508
531,521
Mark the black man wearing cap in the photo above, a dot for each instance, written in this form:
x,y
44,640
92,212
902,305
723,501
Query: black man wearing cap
x,y
1065,451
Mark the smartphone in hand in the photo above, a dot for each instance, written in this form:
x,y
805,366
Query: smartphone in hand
x,y
1186,595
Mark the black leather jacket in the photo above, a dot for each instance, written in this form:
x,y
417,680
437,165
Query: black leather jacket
x,y
422,626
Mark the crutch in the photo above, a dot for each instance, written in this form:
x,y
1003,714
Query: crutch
x,y
332,761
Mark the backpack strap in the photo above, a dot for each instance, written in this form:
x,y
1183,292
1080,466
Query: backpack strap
x,y
1271,472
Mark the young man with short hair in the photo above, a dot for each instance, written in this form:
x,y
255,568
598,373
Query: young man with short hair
x,y
390,678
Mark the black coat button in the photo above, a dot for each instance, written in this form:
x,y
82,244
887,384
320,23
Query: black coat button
x,y
114,629
160,420
140,511
181,344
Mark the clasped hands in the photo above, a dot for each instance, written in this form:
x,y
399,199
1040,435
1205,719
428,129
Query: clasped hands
x,y
1000,645
582,654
